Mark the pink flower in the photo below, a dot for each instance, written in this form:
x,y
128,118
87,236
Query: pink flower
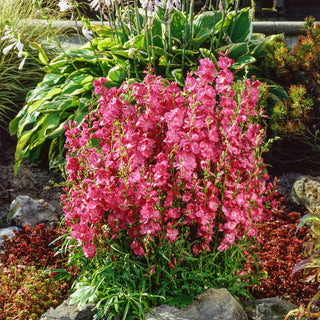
x,y
206,70
89,250
172,234
185,164
137,248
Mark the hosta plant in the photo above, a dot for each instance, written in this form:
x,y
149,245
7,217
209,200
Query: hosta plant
x,y
162,183
170,39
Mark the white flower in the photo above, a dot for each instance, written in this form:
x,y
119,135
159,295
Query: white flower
x,y
96,4
7,49
19,47
158,3
8,34
177,4
15,44
64,5
22,63
87,33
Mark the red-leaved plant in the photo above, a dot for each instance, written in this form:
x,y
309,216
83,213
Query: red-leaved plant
x,y
155,162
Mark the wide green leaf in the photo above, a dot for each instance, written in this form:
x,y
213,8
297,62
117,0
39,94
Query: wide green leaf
x,y
240,29
117,74
236,50
108,44
259,47
177,25
205,23
243,61
138,42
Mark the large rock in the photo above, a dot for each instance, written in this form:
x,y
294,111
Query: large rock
x,y
214,304
65,311
306,191
26,210
268,309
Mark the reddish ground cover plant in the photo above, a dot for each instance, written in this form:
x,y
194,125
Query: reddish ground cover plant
x,y
281,249
31,246
27,290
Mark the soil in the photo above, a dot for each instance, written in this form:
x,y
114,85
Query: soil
x,y
33,181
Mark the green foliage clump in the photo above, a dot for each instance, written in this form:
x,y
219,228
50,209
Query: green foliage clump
x,y
295,119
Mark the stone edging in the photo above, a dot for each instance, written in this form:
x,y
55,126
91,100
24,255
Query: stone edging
x,y
266,27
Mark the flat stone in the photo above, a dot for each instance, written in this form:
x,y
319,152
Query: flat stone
x,y
65,311
213,304
268,309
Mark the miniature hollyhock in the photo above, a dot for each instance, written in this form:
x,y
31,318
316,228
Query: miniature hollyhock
x,y
155,163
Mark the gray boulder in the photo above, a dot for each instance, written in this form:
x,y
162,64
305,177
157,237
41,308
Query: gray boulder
x,y
268,309
213,304
26,210
306,191
65,311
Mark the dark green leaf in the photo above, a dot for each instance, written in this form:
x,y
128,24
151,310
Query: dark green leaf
x,y
240,28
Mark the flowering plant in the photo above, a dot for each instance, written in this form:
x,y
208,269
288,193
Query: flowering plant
x,y
154,162
160,180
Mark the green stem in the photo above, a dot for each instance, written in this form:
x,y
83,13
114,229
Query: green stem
x,y
191,18
91,45
147,36
222,25
137,17
121,22
213,29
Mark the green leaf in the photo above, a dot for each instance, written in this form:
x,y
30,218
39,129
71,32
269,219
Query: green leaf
x,y
276,92
108,43
42,55
177,25
196,43
53,92
38,93
137,42
51,78
205,23
259,47
157,27
49,122
236,50
243,61
178,76
117,74
240,29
